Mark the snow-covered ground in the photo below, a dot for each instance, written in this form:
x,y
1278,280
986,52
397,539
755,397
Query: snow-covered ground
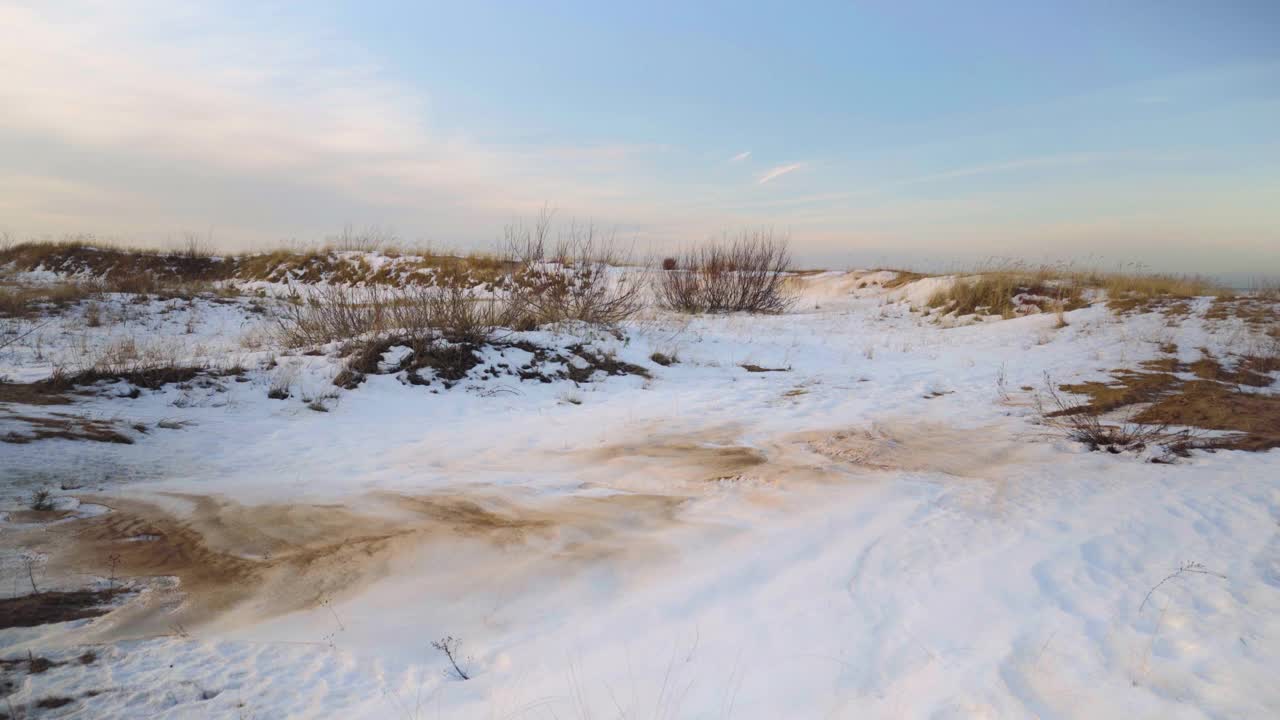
x,y
877,527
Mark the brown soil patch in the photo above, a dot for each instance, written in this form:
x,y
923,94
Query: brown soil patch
x,y
761,369
1256,311
63,426
36,393
54,607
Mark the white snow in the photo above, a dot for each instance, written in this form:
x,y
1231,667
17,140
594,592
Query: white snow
x,y
872,533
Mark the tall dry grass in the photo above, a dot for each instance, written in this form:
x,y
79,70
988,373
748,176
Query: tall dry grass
x,y
995,289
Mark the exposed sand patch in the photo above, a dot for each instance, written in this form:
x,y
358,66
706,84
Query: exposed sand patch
x,y
817,456
267,560
678,458
920,447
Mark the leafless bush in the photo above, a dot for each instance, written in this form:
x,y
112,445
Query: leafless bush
x,y
581,275
451,312
334,312
747,272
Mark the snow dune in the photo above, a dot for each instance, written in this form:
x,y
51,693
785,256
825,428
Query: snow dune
x,y
873,531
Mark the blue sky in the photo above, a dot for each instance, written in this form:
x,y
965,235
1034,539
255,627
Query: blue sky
x,y
936,134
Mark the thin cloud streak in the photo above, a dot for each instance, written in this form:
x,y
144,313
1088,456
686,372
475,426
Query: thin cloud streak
x,y
973,171
776,172
740,156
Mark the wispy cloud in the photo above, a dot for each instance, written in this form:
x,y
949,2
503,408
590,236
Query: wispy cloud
x,y
776,172
1010,166
740,156
330,132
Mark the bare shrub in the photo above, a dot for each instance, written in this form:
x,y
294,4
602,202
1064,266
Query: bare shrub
x,y
451,312
581,275
333,312
747,272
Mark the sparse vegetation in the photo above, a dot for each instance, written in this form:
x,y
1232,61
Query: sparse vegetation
x,y
42,500
449,646
1013,289
747,272
23,301
1156,398
1084,425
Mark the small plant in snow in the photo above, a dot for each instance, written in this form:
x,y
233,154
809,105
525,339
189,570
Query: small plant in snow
x,y
42,500
113,562
32,561
449,646
663,359
1002,383
1191,567
281,383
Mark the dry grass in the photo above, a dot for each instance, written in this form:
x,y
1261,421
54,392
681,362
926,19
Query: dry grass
x,y
63,426
1221,399
1011,290
143,365
1083,423
25,301
193,269
572,277
902,277
747,272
